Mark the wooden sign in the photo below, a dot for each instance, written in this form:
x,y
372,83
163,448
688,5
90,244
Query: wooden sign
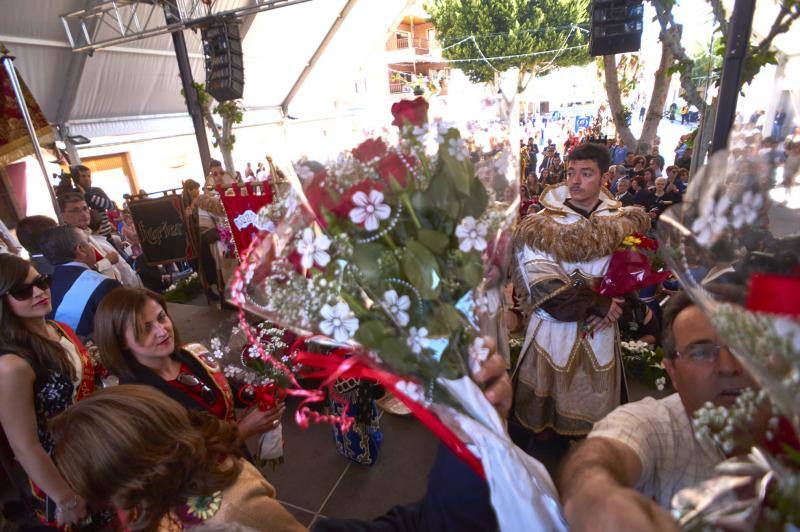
x,y
162,230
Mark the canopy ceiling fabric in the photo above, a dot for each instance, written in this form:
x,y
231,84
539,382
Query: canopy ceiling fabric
x,y
135,88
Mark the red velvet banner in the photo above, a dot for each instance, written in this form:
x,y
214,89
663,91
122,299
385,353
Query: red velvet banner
x,y
242,208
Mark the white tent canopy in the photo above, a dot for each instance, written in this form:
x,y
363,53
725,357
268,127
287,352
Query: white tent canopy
x,y
135,88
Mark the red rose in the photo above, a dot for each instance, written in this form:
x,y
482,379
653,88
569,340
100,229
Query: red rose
x,y
414,112
392,166
370,149
318,196
345,205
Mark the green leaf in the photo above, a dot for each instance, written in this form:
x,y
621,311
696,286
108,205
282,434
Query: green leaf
x,y
420,267
396,353
365,257
475,204
435,241
458,172
371,333
442,195
471,272
446,320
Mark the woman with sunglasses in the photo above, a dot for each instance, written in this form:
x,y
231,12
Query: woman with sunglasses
x,y
44,369
139,343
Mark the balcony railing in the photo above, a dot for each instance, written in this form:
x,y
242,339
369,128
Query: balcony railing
x,y
401,43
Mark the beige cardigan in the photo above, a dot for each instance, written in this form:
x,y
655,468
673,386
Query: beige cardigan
x,y
249,502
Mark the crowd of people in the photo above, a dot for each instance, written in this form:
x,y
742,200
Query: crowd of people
x,y
161,445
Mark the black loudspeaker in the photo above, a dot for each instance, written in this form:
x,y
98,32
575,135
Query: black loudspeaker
x,y
222,47
616,26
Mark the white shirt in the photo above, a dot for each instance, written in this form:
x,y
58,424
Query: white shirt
x,y
121,271
660,433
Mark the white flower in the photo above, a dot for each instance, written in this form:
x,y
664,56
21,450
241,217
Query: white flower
x,y
216,344
313,249
369,210
482,304
471,235
660,383
711,223
397,306
457,148
411,390
418,339
478,353
746,211
419,133
338,322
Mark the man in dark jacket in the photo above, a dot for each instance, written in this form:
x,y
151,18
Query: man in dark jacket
x,y
29,232
77,289
96,198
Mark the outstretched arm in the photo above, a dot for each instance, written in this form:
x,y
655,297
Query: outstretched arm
x,y
596,486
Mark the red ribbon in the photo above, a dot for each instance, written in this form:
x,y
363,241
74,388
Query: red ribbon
x,y
774,294
334,366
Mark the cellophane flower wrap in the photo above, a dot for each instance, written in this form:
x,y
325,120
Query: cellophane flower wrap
x,y
396,250
635,265
244,356
738,232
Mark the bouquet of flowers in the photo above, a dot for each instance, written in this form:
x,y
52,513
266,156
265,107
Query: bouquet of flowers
x,y
643,360
738,226
244,357
397,253
635,265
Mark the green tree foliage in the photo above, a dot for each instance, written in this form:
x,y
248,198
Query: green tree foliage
x,y
511,28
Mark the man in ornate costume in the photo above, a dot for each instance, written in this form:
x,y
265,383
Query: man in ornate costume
x,y
569,374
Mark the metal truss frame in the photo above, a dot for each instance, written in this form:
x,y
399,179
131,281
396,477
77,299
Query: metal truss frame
x,y
116,22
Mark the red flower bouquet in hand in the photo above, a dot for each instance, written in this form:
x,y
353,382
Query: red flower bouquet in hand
x,y
635,265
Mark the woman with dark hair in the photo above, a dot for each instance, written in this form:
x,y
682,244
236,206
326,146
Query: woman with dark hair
x,y
163,467
140,345
44,368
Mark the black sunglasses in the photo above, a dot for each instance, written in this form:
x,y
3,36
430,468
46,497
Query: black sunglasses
x,y
25,291
206,393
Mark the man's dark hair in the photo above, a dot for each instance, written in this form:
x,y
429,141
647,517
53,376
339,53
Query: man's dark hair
x,y
592,152
69,197
681,301
58,244
30,229
213,162
78,168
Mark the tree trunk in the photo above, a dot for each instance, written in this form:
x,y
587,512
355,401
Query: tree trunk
x,y
226,146
655,111
611,82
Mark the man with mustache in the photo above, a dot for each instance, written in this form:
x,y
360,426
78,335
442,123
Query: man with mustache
x,y
624,475
569,374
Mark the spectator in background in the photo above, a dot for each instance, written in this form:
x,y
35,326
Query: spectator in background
x,y
674,182
75,212
619,152
685,160
777,124
95,197
662,198
655,154
643,197
655,166
29,232
130,235
77,289
249,175
624,195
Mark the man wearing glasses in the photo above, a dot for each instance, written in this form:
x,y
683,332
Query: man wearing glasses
x,y
636,458
76,288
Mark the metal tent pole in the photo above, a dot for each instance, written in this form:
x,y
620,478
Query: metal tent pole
x,y
735,51
8,63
